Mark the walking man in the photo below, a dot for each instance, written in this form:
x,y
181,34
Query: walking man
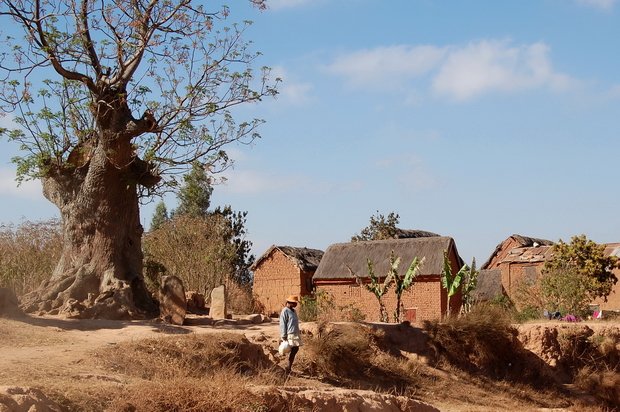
x,y
289,329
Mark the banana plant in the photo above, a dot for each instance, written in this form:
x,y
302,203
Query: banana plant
x,y
470,281
376,287
451,282
404,283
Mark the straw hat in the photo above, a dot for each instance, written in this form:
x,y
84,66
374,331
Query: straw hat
x,y
292,299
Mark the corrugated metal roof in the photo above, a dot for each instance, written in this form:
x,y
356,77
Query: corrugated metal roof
x,y
529,254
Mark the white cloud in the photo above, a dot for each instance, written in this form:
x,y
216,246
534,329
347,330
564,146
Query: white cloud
x,y
259,182
27,190
603,4
491,65
459,72
387,66
249,181
291,91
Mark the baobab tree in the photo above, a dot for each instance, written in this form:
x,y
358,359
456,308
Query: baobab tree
x,y
111,99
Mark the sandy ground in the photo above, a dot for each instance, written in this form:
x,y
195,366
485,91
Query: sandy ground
x,y
62,342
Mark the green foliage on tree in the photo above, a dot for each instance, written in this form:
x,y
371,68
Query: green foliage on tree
x,y
195,195
160,216
587,260
578,274
380,228
111,99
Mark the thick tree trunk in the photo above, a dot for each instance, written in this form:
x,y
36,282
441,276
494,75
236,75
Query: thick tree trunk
x,y
100,272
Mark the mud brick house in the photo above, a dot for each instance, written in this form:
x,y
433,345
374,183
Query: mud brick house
x,y
516,258
613,300
283,271
520,257
425,300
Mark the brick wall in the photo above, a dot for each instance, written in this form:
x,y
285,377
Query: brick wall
x,y
276,278
426,295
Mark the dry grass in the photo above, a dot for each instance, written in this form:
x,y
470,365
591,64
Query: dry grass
x,y
198,372
17,334
350,355
184,356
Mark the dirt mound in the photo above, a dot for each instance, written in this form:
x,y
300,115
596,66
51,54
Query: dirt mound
x,y
16,399
338,400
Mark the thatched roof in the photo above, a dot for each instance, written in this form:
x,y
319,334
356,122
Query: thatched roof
x,y
522,241
412,234
489,285
304,258
354,254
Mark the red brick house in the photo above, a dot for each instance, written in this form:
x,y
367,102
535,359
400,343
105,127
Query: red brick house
x,y
518,257
425,300
283,271
613,300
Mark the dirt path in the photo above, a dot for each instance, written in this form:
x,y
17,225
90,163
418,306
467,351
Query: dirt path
x,y
51,343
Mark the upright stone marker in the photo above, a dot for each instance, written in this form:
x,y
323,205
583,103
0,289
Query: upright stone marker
x,y
218,303
172,303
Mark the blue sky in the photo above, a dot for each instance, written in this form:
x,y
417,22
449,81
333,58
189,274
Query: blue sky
x,y
475,120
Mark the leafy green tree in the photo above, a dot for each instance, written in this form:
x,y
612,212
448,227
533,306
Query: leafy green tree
x,y
563,289
195,195
75,81
587,260
235,235
380,228
160,216
404,283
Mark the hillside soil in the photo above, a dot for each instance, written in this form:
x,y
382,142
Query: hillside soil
x,y
41,349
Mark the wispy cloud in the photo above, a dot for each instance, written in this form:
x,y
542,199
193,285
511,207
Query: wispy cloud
x,y
257,182
389,66
410,171
458,72
27,190
291,91
603,4
286,4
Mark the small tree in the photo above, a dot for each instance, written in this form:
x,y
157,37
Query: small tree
x,y
160,216
589,263
451,282
195,195
469,284
404,283
376,287
380,228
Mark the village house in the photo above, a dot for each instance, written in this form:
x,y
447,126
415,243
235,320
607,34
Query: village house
x,y
425,300
520,257
516,258
283,271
